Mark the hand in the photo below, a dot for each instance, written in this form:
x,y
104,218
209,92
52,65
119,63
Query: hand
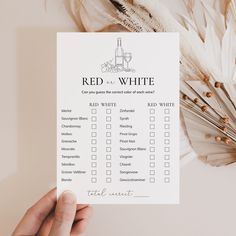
x,y
48,217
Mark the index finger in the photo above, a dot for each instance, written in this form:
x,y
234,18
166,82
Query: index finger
x,y
35,215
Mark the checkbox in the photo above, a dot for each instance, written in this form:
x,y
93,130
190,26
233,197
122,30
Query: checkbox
x,y
108,126
167,180
108,164
93,172
108,149
93,118
108,141
152,134
152,149
108,118
152,164
108,111
94,134
93,126
108,172
166,172
167,164
167,119
151,126
152,157
108,157
152,141
152,118
108,134
166,141
94,111
94,180
167,111
108,180
152,172
152,111
166,126
166,149
152,180
94,157
167,157
94,141
94,164
93,149
167,134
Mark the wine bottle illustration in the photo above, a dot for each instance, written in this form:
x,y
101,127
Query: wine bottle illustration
x,y
119,55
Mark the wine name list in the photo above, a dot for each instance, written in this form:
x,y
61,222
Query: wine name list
x,y
129,81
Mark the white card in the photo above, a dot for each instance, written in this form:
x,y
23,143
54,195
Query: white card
x,y
118,117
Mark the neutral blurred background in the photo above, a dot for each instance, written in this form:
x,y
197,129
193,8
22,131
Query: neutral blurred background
x,y
28,140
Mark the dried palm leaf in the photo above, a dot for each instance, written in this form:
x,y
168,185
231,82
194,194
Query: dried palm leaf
x,y
207,64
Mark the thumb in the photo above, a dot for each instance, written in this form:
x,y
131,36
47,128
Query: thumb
x,y
64,215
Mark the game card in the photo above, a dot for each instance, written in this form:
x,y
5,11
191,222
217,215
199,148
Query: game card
x,y
118,117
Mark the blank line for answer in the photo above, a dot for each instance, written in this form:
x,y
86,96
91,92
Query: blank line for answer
x,y
141,196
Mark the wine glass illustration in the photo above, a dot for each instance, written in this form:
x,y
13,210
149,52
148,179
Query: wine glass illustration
x,y
127,58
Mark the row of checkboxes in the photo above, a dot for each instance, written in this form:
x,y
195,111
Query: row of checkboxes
x,y
94,126
94,118
153,172
94,149
166,126
94,111
153,111
94,157
153,134
94,164
108,149
153,164
94,180
153,118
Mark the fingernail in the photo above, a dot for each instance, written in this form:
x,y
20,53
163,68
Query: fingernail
x,y
68,197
